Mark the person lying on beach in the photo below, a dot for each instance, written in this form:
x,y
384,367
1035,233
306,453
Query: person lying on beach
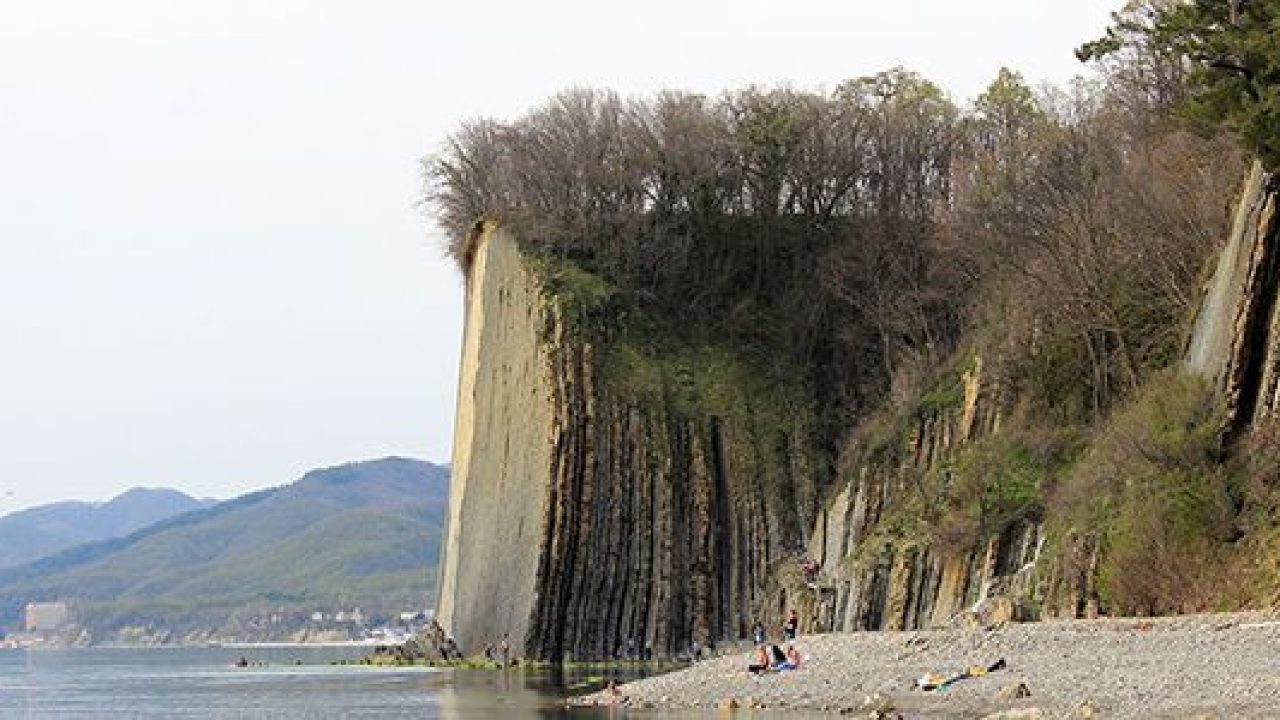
x,y
760,662
939,681
782,660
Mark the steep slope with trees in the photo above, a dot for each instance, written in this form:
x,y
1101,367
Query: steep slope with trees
x,y
983,311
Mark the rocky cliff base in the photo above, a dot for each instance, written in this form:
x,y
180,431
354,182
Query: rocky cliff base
x,y
1192,666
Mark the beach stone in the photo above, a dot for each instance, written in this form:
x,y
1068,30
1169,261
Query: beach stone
x,y
997,611
1088,710
728,704
1013,692
878,707
1019,714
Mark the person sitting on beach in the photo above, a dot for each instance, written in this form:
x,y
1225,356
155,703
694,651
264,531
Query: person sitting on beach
x,y
761,661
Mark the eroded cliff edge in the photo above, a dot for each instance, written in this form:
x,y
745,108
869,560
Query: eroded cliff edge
x,y
501,453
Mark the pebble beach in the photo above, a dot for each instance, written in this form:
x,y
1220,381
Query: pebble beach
x,y
1198,666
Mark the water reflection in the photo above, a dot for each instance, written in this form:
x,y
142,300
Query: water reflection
x,y
527,694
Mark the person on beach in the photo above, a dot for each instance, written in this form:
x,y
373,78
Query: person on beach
x,y
792,624
793,656
504,649
757,632
780,661
760,662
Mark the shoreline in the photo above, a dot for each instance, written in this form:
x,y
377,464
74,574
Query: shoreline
x,y
318,644
1209,666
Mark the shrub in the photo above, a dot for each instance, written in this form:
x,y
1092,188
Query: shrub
x,y
1154,491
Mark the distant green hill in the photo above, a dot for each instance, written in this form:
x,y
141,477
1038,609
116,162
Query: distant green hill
x,y
360,535
38,532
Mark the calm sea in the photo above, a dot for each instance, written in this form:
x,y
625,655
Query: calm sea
x,y
287,682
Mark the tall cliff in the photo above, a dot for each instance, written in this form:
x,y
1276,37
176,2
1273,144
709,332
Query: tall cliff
x,y
618,490
610,499
1235,341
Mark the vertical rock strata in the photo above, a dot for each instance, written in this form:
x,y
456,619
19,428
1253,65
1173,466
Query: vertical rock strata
x,y
592,522
1235,341
883,570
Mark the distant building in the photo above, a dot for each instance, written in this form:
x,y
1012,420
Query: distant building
x,y
46,616
355,616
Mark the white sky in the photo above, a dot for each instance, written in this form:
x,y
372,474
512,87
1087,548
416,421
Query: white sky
x,y
212,273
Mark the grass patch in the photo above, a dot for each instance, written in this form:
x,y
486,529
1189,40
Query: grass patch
x,y
1154,493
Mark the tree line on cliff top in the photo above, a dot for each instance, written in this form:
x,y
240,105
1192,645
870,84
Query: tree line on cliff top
x,y
858,234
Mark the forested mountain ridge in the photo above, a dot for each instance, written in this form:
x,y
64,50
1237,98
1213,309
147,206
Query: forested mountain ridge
x,y
37,532
358,535
938,349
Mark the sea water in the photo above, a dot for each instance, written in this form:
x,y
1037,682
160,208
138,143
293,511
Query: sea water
x,y
299,682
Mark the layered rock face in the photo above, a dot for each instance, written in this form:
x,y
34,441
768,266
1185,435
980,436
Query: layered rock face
x,y
880,570
1235,342
591,521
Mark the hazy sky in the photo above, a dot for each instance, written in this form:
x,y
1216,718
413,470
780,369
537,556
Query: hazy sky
x,y
212,272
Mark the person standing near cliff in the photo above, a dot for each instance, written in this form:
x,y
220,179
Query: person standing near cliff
x,y
790,627
757,633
